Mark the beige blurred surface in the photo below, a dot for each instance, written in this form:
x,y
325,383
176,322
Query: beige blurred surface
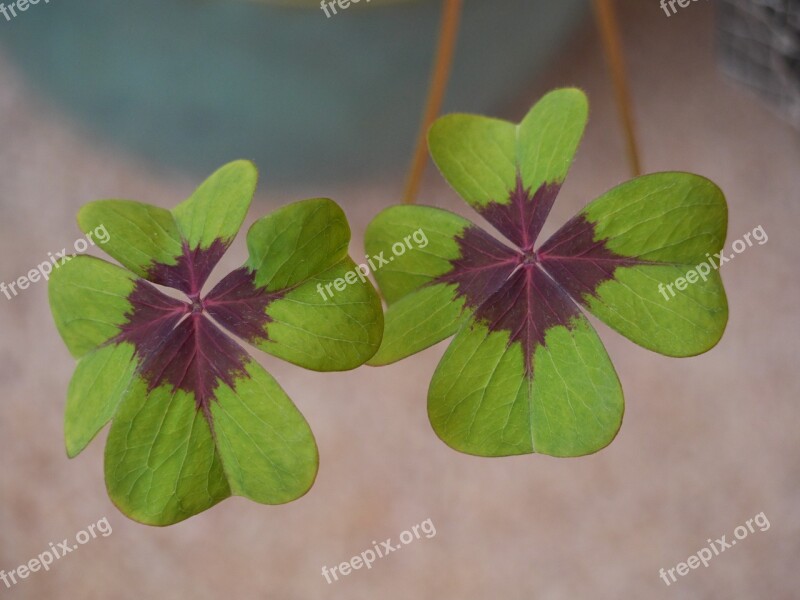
x,y
706,444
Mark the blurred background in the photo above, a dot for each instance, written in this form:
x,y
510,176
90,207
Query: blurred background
x,y
142,100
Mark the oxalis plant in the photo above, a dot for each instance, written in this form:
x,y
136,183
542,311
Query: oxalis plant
x,y
195,418
526,371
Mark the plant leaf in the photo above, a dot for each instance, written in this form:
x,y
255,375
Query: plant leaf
x,y
140,236
297,242
177,249
91,304
512,174
526,372
216,210
421,310
164,463
616,255
484,401
294,252
194,418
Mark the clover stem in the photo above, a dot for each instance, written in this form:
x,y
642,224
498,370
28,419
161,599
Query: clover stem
x,y
612,48
448,34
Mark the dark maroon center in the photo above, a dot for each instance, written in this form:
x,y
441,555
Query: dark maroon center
x,y
529,258
525,291
177,342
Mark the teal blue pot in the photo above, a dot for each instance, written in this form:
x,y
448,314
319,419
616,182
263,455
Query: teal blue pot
x,y
194,84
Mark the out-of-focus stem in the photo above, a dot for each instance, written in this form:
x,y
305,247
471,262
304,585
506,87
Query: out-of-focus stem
x,y
448,33
612,47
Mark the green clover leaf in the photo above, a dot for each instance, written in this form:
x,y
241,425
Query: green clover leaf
x,y
195,419
526,371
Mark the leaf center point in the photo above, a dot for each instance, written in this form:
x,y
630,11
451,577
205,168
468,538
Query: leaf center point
x,y
197,305
529,257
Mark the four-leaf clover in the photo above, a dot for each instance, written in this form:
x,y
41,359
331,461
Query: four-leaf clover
x,y
195,418
526,371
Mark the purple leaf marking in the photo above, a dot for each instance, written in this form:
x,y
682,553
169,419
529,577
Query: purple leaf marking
x,y
191,271
483,266
175,341
523,291
195,357
152,317
578,262
522,218
240,307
